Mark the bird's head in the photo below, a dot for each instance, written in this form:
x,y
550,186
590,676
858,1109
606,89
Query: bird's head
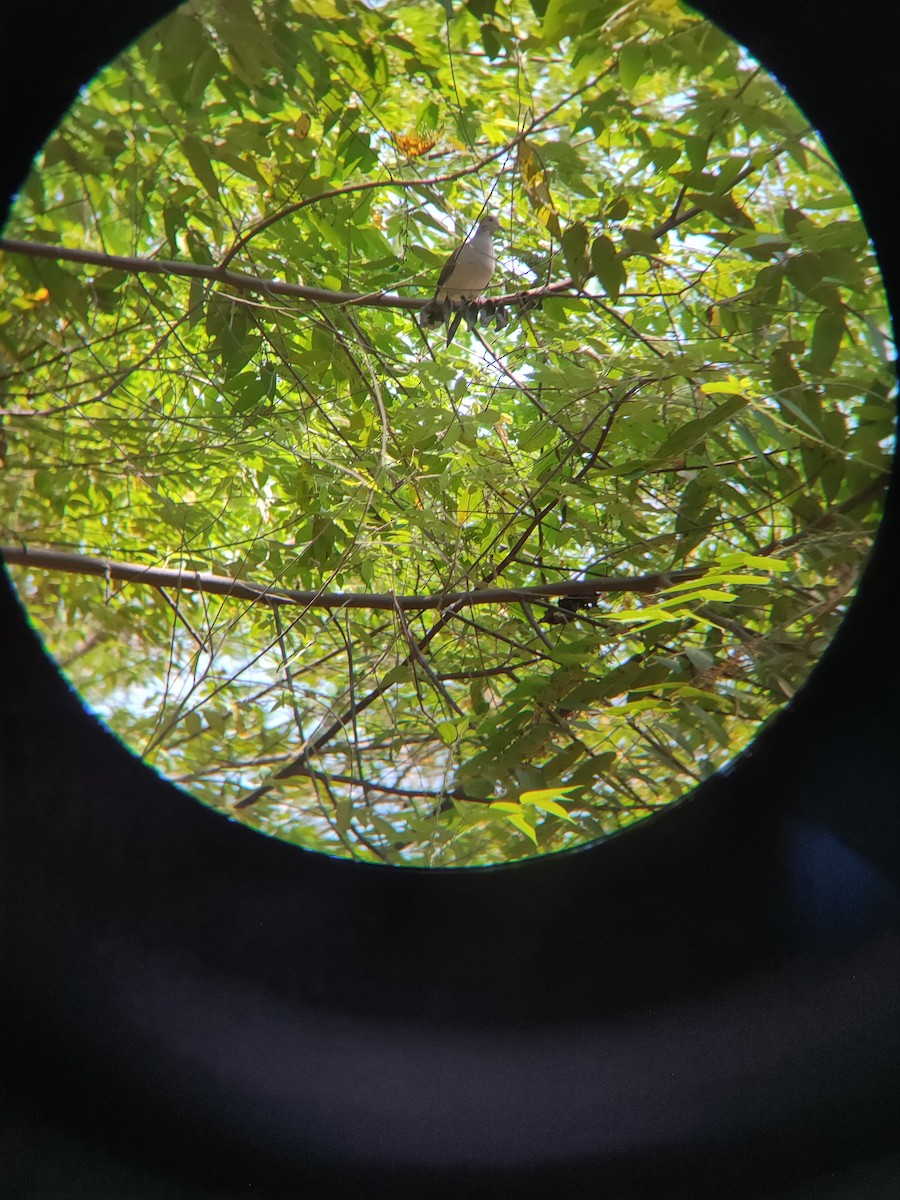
x,y
489,224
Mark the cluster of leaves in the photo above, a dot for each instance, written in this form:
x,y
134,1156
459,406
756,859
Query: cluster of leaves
x,y
693,375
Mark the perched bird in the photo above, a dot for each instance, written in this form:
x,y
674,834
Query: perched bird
x,y
466,273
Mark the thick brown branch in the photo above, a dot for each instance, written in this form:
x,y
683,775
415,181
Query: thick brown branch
x,y
247,283
185,579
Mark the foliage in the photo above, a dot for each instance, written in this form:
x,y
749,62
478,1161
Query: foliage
x,y
699,381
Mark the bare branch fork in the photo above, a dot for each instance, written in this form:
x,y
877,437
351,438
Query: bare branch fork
x,y
184,579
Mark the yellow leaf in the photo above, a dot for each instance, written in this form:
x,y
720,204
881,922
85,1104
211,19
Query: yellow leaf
x,y
522,824
468,505
538,795
537,187
551,806
413,146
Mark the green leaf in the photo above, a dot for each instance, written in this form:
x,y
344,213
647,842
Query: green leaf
x,y
697,149
343,814
807,272
641,241
452,731
722,206
608,267
618,209
198,156
183,42
575,249
631,64
828,331
693,501
696,430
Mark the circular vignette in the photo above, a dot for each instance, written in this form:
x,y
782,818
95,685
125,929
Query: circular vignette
x,y
842,769
461,598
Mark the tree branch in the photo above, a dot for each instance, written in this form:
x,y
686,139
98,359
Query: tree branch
x,y
365,785
249,283
185,579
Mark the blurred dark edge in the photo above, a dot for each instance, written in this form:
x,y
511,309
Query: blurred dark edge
x,y
768,903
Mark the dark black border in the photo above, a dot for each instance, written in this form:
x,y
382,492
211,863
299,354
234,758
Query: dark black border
x,y
709,1005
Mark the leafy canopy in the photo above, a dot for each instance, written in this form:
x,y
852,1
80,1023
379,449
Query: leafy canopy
x,y
656,457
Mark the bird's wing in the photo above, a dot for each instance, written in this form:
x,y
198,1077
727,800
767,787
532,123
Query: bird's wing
x,y
449,267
